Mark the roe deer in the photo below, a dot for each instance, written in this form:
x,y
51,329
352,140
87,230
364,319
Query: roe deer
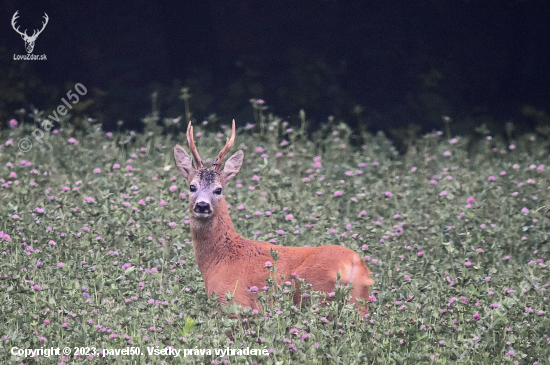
x,y
231,263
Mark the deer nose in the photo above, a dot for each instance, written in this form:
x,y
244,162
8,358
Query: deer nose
x,y
202,207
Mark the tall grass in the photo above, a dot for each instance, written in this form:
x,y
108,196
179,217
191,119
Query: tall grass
x,y
96,251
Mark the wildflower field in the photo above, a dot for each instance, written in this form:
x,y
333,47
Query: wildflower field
x,y
96,254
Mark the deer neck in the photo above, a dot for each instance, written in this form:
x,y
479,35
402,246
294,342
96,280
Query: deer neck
x,y
213,238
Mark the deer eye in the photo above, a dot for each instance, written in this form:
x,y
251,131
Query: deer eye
x,y
218,191
192,188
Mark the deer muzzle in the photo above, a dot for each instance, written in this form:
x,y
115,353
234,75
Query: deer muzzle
x,y
202,209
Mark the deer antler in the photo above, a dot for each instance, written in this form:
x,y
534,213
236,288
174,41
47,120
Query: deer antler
x,y
43,26
192,146
13,19
218,160
24,34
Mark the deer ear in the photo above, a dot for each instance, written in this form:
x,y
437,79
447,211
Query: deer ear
x,y
232,166
183,162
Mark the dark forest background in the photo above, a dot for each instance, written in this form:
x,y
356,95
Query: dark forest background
x,y
382,65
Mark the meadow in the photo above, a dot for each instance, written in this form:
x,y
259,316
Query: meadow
x,y
96,254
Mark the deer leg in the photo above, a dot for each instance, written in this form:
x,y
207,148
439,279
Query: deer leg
x,y
358,275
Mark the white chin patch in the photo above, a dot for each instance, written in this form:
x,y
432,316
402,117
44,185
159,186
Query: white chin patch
x,y
202,215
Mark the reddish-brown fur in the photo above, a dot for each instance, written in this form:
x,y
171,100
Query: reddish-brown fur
x,y
231,263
